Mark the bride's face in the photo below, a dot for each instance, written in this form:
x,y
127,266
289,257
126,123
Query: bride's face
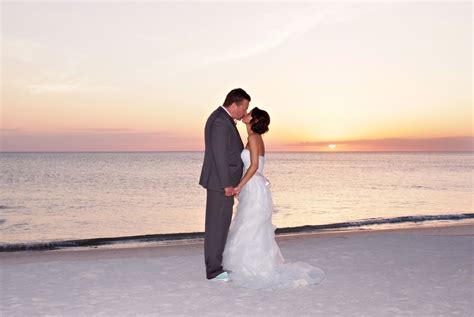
x,y
247,117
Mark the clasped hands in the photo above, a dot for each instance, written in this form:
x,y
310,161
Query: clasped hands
x,y
232,191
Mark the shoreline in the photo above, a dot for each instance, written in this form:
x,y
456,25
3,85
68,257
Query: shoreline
x,y
172,248
374,224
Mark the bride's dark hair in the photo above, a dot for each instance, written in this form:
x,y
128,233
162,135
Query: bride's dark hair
x,y
260,121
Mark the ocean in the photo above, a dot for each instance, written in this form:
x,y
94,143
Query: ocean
x,y
87,195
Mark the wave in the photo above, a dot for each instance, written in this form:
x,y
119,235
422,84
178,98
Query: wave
x,y
375,221
60,244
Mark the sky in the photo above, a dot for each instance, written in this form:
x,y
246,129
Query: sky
x,y
144,76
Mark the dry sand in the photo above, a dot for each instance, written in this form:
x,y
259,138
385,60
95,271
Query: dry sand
x,y
403,272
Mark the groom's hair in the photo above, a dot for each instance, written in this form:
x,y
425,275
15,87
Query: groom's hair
x,y
236,95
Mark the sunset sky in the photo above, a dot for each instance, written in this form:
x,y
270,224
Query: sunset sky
x,y
128,76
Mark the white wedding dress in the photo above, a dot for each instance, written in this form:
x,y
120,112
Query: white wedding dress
x,y
251,253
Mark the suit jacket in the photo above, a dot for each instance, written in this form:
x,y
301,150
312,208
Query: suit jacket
x,y
222,165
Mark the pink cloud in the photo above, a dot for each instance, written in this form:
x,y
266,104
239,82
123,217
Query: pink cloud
x,y
456,143
98,140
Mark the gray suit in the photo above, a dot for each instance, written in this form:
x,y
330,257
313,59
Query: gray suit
x,y
222,168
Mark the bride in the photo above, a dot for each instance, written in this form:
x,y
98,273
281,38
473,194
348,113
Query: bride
x,y
251,254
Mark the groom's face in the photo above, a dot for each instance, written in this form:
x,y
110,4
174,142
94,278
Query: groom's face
x,y
241,109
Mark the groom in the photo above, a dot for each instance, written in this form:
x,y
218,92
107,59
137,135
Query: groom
x,y
221,172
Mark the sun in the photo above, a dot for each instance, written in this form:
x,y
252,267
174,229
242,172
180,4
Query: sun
x,y
332,146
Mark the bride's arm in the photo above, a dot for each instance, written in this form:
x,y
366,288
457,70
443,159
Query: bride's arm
x,y
253,148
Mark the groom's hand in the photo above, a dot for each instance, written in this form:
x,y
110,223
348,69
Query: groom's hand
x,y
229,191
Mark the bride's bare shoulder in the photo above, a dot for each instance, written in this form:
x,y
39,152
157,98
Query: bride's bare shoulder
x,y
255,139
255,142
254,136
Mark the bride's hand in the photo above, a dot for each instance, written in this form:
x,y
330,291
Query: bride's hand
x,y
237,191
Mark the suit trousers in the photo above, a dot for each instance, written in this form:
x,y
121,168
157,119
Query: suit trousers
x,y
218,217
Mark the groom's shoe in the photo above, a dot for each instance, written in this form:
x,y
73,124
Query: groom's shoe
x,y
223,277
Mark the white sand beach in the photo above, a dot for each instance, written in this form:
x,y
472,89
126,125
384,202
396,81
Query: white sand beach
x,y
403,272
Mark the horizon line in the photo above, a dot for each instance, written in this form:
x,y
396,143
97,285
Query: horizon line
x,y
202,151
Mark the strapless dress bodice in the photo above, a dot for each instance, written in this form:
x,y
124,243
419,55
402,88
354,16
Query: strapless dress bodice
x,y
245,155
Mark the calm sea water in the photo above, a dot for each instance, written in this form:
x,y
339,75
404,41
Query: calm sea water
x,y
50,196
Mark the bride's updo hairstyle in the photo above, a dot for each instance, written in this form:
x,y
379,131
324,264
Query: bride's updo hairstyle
x,y
260,121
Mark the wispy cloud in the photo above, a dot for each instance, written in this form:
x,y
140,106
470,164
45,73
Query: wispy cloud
x,y
60,88
52,88
9,130
19,49
271,38
100,130
64,76
263,34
